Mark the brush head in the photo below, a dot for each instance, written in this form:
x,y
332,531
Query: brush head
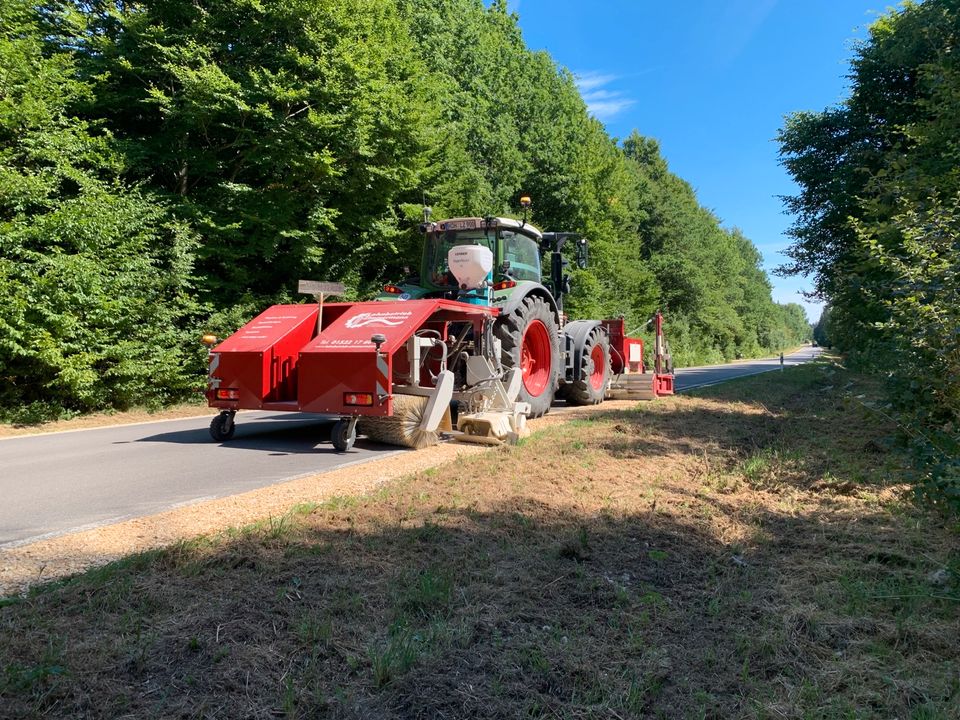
x,y
403,427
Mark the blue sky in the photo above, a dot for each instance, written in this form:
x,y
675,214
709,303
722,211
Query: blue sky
x,y
712,81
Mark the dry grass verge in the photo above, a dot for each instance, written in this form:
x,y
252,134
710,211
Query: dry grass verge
x,y
743,553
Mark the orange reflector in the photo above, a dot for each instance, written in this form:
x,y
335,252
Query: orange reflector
x,y
358,399
505,285
392,289
228,394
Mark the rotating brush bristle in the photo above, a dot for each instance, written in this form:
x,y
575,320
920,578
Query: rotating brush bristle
x,y
403,427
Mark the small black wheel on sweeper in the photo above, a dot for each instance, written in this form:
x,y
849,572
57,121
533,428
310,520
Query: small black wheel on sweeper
x,y
344,434
529,337
591,387
222,426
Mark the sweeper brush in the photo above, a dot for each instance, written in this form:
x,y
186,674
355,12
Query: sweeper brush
x,y
404,427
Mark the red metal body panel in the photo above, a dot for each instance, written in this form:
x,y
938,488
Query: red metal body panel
x,y
343,359
626,353
353,328
277,361
663,384
260,359
633,352
326,376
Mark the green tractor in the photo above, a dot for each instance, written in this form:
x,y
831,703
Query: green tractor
x,y
556,358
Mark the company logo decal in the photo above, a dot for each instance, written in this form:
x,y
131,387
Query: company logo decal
x,y
377,319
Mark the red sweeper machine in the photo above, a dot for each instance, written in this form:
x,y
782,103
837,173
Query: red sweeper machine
x,y
472,346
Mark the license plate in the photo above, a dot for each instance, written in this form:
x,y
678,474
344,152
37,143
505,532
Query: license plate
x,y
472,224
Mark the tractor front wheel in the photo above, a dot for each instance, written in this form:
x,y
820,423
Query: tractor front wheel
x,y
529,341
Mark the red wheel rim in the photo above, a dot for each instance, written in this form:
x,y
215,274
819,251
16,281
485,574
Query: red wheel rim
x,y
599,367
535,358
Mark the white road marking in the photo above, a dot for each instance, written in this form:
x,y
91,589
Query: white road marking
x,y
727,379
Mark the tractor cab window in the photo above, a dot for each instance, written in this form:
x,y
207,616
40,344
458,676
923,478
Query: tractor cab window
x,y
438,246
523,254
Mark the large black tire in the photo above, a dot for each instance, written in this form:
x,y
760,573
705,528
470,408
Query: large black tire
x,y
533,322
590,388
222,427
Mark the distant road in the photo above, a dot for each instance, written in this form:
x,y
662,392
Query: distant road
x,y
690,378
60,482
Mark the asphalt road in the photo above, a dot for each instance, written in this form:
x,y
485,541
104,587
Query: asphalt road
x,y
690,378
62,482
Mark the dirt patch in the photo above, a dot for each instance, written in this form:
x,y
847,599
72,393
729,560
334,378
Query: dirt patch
x,y
690,558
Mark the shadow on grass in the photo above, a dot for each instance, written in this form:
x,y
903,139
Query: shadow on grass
x,y
501,613
350,611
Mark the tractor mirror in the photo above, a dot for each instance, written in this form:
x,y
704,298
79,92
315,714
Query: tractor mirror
x,y
583,255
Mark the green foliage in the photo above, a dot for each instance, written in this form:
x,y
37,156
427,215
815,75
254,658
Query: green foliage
x,y
93,274
821,331
286,133
878,221
711,285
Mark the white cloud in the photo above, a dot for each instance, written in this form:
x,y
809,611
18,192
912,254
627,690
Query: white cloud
x,y
601,102
591,80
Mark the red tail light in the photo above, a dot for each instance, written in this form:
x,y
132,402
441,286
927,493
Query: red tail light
x,y
228,394
392,289
358,399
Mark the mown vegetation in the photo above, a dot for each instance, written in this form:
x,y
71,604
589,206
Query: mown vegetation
x,y
878,224
170,166
743,553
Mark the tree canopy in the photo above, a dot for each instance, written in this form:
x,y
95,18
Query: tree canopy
x,y
878,221
95,275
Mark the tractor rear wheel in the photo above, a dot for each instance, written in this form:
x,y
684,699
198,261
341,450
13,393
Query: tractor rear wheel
x,y
590,388
529,341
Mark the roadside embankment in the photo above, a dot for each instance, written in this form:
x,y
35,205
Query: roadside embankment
x,y
742,551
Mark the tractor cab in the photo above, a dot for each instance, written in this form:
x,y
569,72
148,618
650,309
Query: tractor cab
x,y
514,248
516,251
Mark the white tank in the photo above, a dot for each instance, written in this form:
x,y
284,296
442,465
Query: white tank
x,y
470,265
